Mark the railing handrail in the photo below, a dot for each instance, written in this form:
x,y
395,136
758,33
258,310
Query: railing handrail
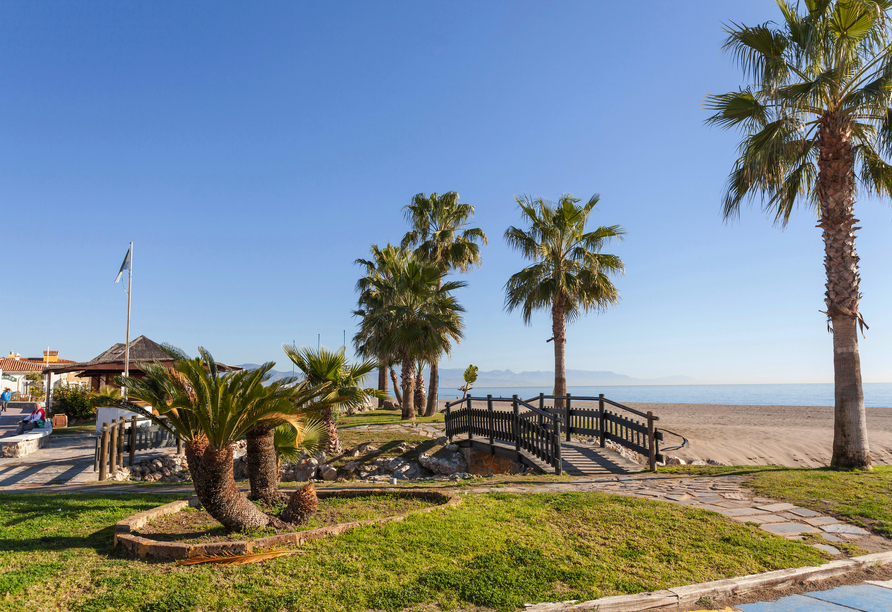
x,y
504,399
578,398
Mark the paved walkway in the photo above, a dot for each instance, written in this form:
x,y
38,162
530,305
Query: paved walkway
x,y
870,597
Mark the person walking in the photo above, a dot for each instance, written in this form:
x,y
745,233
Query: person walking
x,y
4,399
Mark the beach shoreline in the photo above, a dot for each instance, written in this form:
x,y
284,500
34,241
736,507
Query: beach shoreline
x,y
793,436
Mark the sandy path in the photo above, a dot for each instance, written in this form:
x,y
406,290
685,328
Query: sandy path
x,y
757,435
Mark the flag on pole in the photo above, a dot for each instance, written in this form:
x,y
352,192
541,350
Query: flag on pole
x,y
124,266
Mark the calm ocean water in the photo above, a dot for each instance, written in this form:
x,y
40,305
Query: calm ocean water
x,y
875,394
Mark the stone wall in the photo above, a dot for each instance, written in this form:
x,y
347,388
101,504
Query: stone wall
x,y
484,464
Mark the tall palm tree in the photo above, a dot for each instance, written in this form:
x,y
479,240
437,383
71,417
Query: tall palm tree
x,y
407,310
210,411
818,109
570,274
441,236
345,380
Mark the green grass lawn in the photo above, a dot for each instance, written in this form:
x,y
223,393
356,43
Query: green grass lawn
x,y
494,551
385,417
89,427
861,498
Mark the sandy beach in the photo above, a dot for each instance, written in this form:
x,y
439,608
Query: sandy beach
x,y
796,436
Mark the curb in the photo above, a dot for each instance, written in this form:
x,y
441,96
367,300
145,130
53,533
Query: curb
x,y
718,589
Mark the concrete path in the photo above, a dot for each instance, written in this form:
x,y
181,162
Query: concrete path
x,y
871,597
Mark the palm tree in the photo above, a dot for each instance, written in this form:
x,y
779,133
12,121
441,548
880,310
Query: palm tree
x,y
440,236
570,274
210,411
345,390
408,311
817,109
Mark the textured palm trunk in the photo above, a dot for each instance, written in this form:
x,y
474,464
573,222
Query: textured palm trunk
x,y
333,447
263,469
836,193
431,407
396,388
382,384
408,376
420,398
558,328
302,505
211,470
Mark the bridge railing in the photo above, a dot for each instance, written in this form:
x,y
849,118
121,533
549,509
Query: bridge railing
x,y
528,428
622,425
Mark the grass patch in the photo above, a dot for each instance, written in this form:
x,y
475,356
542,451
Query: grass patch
x,y
192,525
89,427
861,498
495,551
385,417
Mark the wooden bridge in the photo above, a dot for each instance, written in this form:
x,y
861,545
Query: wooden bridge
x,y
531,432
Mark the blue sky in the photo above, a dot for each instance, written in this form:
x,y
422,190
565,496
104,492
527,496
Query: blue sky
x,y
252,151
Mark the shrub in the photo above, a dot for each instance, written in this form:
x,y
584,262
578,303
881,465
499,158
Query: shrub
x,y
73,400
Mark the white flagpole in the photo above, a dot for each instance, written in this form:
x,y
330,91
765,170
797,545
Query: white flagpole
x,y
127,345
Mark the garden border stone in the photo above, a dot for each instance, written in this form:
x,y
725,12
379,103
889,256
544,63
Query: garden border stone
x,y
130,543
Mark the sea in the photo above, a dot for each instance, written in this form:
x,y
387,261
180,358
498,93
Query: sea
x,y
876,395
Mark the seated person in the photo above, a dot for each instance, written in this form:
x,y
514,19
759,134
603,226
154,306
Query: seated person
x,y
35,419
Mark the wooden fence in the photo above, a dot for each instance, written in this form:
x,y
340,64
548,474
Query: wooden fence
x,y
117,439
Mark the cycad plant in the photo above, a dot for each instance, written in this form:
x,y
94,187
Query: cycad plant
x,y
408,311
817,124
210,411
440,236
344,391
569,275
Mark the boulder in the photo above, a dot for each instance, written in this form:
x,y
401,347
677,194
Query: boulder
x,y
675,461
443,464
327,473
391,405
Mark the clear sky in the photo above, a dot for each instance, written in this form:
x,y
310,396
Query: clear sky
x,y
253,151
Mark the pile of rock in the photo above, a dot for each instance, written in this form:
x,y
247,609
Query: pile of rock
x,y
162,469
307,468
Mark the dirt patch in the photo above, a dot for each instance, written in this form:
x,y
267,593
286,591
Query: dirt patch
x,y
193,525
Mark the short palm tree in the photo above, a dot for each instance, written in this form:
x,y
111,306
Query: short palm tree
x,y
345,390
411,313
570,274
210,411
441,236
816,124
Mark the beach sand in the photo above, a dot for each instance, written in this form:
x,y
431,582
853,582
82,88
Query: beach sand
x,y
795,436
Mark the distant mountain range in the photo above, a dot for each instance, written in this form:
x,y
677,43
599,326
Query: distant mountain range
x,y
452,378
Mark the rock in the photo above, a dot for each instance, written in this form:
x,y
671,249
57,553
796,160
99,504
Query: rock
x,y
445,465
441,441
366,447
698,462
403,447
327,473
350,469
452,447
713,462
675,461
391,405
301,472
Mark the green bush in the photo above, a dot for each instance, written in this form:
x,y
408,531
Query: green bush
x,y
74,401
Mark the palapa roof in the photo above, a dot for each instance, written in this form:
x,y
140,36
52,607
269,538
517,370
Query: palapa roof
x,y
112,360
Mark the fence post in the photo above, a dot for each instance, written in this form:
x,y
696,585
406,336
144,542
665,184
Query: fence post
x,y
121,423
492,427
516,424
132,439
651,442
103,453
603,422
558,467
470,421
113,447
448,421
568,417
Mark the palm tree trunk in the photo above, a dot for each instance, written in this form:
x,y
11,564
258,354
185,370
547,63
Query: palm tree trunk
x,y
836,193
396,388
211,470
333,448
558,328
382,384
408,376
431,408
263,469
420,399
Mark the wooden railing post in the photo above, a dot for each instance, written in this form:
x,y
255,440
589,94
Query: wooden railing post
x,y
492,425
132,440
121,423
103,453
448,421
113,447
470,421
516,423
558,468
603,424
568,417
651,442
